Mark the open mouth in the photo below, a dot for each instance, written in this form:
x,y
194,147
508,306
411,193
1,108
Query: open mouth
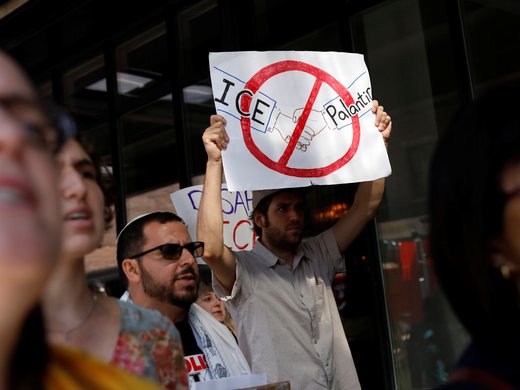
x,y
78,213
16,193
186,277
77,217
13,195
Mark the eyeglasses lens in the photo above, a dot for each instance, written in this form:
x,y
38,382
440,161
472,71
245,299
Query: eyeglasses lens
x,y
197,249
171,251
174,251
39,126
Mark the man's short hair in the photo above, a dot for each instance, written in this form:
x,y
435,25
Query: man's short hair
x,y
130,239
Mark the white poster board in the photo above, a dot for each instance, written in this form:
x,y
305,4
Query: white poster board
x,y
234,382
236,207
296,119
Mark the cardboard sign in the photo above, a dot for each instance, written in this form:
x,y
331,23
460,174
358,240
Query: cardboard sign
x,y
236,207
296,119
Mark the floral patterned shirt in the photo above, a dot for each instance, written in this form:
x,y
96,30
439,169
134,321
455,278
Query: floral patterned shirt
x,y
149,346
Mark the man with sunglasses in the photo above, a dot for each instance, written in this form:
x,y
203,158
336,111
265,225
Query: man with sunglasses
x,y
157,263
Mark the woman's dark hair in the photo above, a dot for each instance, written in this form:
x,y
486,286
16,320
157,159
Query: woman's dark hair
x,y
104,178
466,208
31,355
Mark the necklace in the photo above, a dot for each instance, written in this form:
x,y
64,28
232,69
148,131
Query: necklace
x,y
67,333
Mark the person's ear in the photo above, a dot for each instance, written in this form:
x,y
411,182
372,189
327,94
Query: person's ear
x,y
260,220
131,270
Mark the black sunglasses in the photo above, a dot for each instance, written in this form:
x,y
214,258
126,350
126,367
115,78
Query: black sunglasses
x,y
46,126
174,251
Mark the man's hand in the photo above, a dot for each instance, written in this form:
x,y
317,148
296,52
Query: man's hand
x,y
215,138
383,121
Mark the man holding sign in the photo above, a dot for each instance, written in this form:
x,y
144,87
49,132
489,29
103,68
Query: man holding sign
x,y
279,294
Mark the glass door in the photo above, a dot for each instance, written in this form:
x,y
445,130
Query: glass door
x,y
408,51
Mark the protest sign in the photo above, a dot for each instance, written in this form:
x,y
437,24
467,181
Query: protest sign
x,y
236,207
296,119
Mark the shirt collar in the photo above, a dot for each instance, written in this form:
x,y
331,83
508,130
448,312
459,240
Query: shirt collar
x,y
270,260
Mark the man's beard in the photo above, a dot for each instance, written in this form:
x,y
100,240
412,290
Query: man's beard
x,y
277,239
165,293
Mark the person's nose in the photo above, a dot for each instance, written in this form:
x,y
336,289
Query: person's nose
x,y
186,259
72,184
12,136
294,214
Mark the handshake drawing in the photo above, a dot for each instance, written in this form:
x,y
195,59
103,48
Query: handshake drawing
x,y
285,125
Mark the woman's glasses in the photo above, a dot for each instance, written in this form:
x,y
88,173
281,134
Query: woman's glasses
x,y
46,127
174,251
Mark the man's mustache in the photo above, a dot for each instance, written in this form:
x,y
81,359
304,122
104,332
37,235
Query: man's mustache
x,y
185,271
294,225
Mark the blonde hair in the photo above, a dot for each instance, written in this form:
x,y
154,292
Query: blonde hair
x,y
205,287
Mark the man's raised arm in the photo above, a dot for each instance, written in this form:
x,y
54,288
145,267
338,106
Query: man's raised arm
x,y
368,195
209,224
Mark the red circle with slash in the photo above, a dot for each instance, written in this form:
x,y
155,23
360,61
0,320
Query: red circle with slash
x,y
254,85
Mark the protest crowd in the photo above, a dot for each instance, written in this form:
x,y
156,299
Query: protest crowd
x,y
197,313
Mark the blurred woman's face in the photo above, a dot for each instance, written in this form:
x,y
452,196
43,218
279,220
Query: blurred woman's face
x,y
509,243
29,201
214,306
82,202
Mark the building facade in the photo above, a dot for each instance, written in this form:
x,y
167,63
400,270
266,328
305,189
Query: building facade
x,y
135,76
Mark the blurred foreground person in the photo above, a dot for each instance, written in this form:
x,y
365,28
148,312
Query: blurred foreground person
x,y
134,338
474,205
29,243
29,226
